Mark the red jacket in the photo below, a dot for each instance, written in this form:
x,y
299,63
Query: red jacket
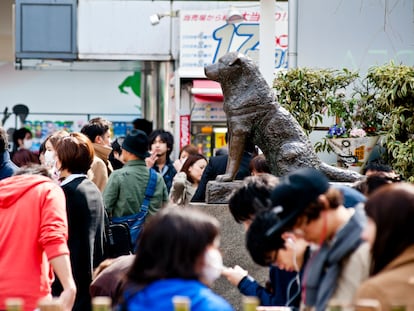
x,y
34,230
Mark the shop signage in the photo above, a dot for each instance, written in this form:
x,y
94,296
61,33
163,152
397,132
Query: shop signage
x,y
205,36
184,130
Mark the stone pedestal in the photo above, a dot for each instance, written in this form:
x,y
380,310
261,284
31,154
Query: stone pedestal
x,y
219,192
234,252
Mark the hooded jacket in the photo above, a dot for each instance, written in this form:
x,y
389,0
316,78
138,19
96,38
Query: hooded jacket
x,y
33,226
158,296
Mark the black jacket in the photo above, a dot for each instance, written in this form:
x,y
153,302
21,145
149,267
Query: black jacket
x,y
85,210
217,166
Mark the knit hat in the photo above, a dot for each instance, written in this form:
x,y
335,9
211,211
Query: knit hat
x,y
295,192
136,142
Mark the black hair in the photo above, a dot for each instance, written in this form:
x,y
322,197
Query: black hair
x,y
165,137
257,242
96,127
377,167
253,195
143,125
20,134
377,180
171,244
116,147
392,209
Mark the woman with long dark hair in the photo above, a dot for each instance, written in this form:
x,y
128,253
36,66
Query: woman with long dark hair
x,y
390,212
186,181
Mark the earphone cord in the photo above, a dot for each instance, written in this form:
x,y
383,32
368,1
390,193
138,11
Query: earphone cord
x,y
296,279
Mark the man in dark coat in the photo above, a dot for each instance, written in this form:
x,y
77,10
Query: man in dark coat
x,y
217,166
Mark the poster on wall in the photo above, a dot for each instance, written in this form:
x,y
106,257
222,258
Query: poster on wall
x,y
208,112
41,129
205,36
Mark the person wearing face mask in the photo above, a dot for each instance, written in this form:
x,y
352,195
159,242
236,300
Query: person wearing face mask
x,y
22,142
178,256
49,154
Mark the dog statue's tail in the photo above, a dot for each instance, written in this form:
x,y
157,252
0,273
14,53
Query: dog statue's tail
x,y
339,174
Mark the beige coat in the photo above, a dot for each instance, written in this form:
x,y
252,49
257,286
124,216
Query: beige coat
x,y
394,284
182,190
101,168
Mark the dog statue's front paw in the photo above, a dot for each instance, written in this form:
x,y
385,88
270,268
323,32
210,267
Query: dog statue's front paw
x,y
224,178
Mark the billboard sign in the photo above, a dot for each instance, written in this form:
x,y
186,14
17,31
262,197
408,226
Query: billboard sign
x,y
205,36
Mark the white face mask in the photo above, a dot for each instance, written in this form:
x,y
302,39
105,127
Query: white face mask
x,y
50,158
27,143
213,266
55,173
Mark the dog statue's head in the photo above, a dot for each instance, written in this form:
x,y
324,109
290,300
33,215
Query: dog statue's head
x,y
229,67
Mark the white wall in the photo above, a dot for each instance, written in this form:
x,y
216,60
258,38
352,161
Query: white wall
x,y
355,34
66,92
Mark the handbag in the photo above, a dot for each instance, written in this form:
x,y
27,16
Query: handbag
x,y
118,239
124,231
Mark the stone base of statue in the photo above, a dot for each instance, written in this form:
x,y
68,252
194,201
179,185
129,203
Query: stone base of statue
x,y
219,192
232,246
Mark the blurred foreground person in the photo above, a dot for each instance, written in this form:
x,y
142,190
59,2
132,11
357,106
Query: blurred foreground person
x,y
245,203
306,202
177,255
34,234
109,277
390,212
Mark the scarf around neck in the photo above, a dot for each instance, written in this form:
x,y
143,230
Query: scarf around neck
x,y
324,266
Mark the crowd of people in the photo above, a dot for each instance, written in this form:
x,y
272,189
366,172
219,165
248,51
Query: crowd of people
x,y
324,243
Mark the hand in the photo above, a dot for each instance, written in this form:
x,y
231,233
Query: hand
x,y
150,161
67,298
178,165
234,275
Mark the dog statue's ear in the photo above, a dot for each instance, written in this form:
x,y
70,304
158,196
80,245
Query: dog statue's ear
x,y
235,61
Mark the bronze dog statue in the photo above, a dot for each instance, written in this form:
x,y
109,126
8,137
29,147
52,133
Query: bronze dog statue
x,y
253,111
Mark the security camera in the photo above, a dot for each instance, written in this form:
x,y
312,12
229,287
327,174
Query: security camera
x,y
155,19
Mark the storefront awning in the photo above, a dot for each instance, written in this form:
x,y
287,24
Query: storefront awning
x,y
206,91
